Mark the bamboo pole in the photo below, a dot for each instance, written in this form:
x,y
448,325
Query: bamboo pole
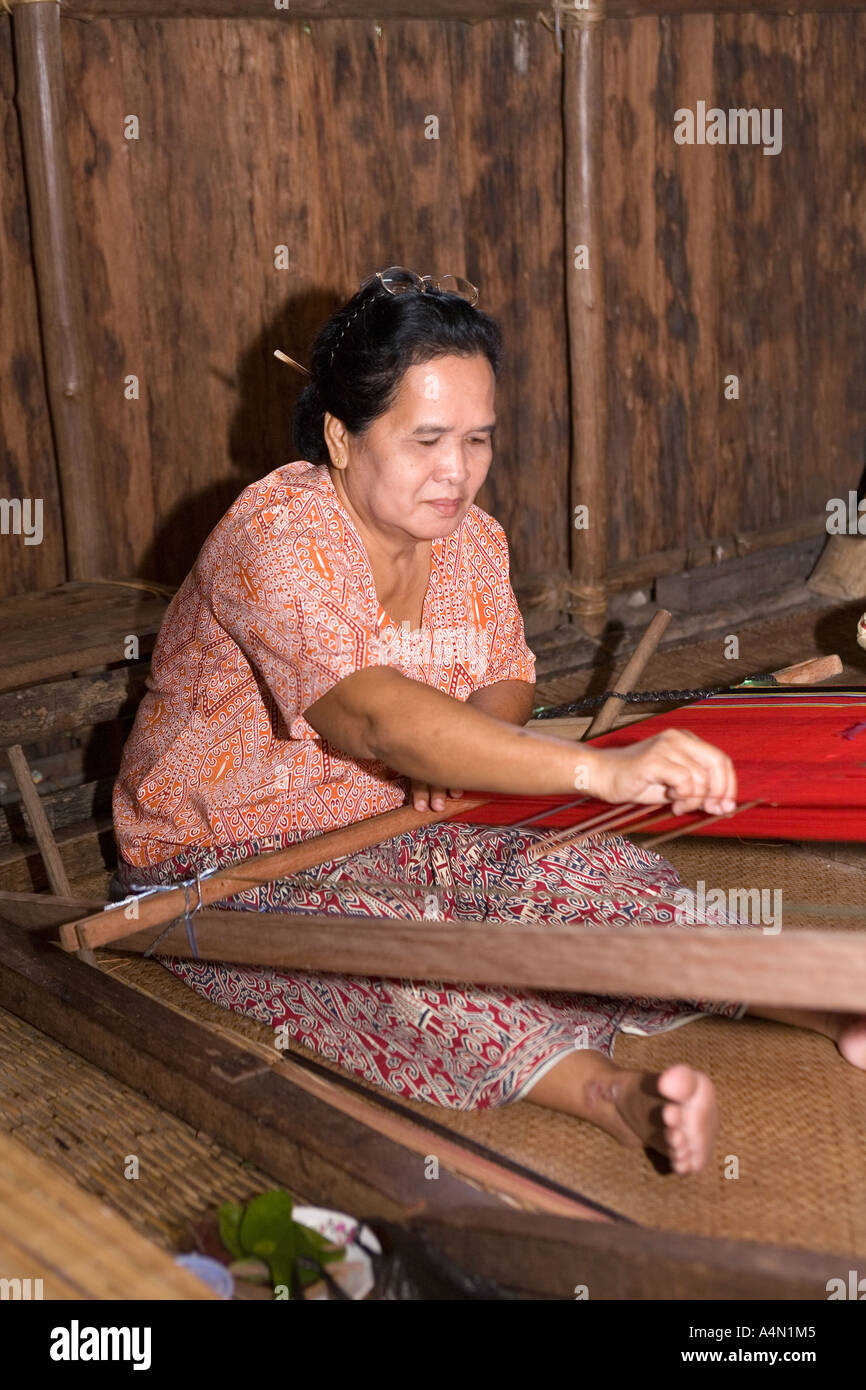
x,y
40,97
631,674
583,116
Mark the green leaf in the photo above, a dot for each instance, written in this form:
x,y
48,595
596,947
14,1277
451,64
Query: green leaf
x,y
230,1216
266,1229
266,1222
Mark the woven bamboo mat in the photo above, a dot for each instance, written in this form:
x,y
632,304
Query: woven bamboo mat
x,y
75,1245
793,1112
86,1123
803,877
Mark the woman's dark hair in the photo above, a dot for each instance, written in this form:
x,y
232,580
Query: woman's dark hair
x,y
360,355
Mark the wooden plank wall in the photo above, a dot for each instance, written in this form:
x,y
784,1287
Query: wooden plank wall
x,y
27,466
721,259
255,135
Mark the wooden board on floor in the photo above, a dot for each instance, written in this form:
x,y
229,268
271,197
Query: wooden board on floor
x,y
78,1247
231,1093
356,1153
553,1258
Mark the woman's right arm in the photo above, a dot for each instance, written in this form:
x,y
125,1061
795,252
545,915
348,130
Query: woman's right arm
x,y
424,734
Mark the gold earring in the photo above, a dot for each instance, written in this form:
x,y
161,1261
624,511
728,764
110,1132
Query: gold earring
x,y
340,462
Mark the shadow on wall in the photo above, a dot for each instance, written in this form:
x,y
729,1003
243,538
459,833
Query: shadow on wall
x,y
260,431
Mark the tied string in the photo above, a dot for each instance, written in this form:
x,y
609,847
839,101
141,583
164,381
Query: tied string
x,y
192,905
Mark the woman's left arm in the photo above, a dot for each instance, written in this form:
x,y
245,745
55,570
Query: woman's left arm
x,y
508,700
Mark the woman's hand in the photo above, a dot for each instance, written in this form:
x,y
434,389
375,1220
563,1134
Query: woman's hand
x,y
427,798
674,766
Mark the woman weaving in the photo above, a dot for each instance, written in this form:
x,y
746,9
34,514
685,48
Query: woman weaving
x,y
288,697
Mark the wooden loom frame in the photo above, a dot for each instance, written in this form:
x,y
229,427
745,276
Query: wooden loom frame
x,y
365,1152
290,1126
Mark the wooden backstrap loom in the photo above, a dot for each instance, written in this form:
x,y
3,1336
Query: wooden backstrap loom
x,y
327,1134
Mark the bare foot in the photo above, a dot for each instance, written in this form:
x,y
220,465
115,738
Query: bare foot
x,y
673,1111
851,1039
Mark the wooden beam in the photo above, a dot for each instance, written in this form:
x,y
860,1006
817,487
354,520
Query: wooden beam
x,y
52,633
34,910
547,1257
641,569
62,706
374,11
40,96
583,122
86,848
68,807
813,969
325,1142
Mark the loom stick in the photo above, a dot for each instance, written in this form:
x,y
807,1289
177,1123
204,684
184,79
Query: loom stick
x,y
622,828
814,969
617,820
42,831
631,674
158,909
698,824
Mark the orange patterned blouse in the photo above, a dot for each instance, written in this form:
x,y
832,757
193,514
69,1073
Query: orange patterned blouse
x,y
280,606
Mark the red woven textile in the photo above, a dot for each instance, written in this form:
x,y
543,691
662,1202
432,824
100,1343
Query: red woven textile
x,y
802,753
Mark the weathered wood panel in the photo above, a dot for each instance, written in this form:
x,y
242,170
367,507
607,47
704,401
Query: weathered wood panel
x,y
74,627
471,10
26,446
312,136
254,136
723,260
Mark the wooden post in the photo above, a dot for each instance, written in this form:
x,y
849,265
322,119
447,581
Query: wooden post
x,y
587,339
41,101
38,821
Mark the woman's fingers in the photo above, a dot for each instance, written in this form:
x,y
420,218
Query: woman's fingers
x,y
427,798
679,767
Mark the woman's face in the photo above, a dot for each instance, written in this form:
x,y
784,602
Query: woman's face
x,y
418,468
